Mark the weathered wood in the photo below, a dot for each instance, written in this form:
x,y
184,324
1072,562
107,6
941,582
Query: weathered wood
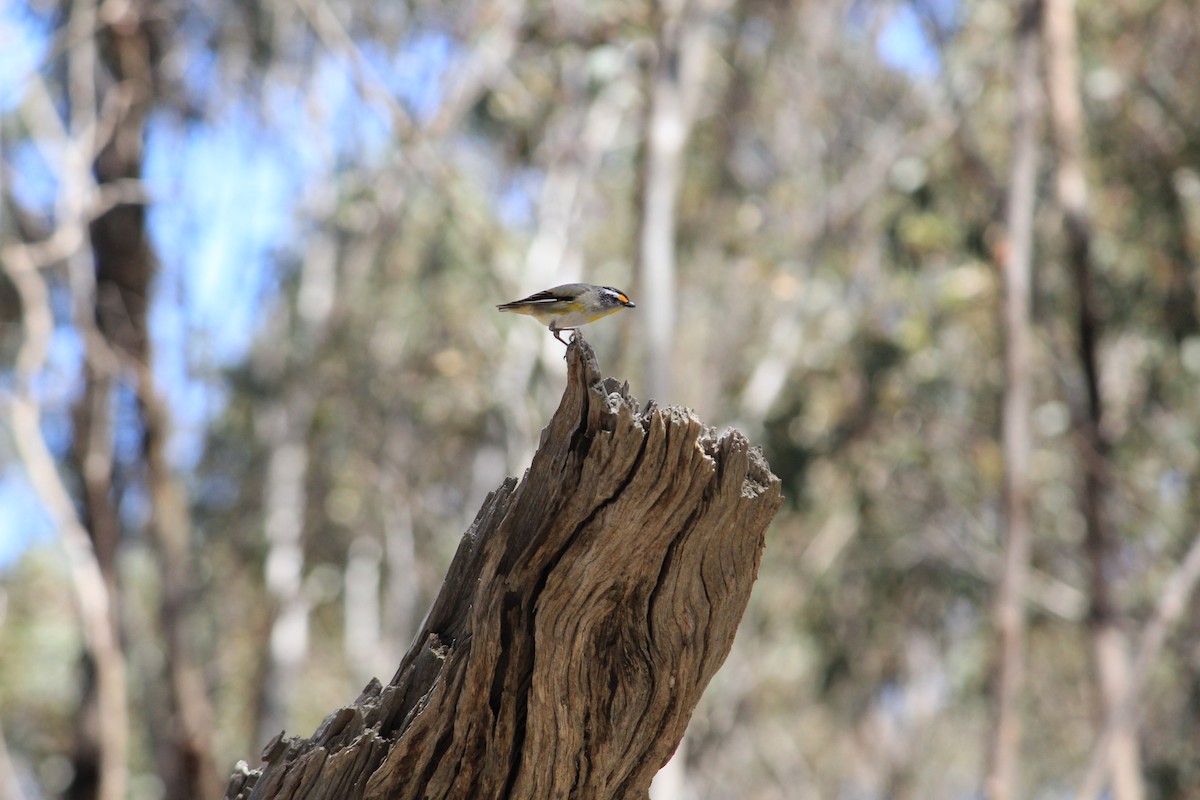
x,y
583,615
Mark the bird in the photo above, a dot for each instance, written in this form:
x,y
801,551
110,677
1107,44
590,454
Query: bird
x,y
567,307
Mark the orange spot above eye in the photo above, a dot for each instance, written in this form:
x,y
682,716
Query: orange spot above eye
x,y
624,299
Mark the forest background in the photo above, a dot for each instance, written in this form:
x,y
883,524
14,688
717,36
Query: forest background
x,y
937,257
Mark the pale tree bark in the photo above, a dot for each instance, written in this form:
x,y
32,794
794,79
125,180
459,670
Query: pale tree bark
x,y
675,84
1172,604
586,610
1109,645
88,533
92,446
285,426
362,639
104,742
1002,779
402,595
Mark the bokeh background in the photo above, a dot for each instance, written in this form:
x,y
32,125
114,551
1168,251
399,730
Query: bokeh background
x,y
254,385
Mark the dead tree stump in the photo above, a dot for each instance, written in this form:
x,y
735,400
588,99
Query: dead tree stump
x,y
585,611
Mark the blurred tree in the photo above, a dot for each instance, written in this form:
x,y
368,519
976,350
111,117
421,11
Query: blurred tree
x,y
1109,645
839,240
108,85
1001,780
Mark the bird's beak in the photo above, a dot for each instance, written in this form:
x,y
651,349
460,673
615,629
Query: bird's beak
x,y
630,304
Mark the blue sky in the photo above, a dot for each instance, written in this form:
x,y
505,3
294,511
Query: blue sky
x,y
902,44
228,204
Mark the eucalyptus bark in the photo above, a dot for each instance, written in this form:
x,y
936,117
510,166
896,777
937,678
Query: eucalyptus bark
x,y
1110,647
586,610
673,93
113,305
1002,779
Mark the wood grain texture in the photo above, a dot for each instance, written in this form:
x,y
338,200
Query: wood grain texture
x,y
584,613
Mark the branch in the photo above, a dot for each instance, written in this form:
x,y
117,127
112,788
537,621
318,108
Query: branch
x,y
1126,713
1100,546
92,597
583,615
108,743
367,80
1001,780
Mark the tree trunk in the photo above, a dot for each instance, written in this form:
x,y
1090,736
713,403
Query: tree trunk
x,y
674,92
583,615
1110,649
1002,779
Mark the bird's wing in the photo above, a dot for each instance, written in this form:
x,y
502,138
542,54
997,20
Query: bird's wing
x,y
554,295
